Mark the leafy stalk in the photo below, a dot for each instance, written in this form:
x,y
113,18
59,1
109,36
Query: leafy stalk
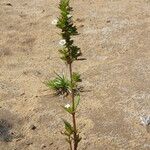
x,y
69,53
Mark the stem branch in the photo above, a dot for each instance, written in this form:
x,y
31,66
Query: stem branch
x,y
70,144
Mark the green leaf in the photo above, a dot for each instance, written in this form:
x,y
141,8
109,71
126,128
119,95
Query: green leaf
x,y
64,54
77,101
66,133
76,77
75,52
78,138
68,140
68,127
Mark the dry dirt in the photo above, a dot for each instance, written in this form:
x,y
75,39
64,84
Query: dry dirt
x,y
115,40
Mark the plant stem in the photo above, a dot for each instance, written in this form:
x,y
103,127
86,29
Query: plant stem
x,y
70,144
73,107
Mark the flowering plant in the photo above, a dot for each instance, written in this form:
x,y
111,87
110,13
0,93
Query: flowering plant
x,y
69,86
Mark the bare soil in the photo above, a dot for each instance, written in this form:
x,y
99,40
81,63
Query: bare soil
x,y
115,40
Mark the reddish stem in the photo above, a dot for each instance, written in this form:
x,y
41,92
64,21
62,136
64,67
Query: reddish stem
x,y
73,107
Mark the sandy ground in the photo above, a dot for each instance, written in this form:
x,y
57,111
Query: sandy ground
x,y
115,40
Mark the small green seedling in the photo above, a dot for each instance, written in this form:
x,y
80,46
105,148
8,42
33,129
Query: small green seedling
x,y
60,84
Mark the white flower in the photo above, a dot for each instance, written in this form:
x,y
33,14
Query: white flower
x,y
145,120
67,106
69,16
54,22
62,42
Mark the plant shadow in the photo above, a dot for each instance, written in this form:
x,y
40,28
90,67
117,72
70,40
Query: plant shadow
x,y
148,129
5,128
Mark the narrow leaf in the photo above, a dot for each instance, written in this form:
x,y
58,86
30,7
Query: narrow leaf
x,y
68,127
77,101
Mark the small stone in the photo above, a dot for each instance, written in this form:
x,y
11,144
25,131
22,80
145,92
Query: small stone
x,y
43,146
9,4
19,139
12,133
25,4
28,142
108,21
81,26
51,143
22,94
79,20
32,127
25,72
25,100
37,73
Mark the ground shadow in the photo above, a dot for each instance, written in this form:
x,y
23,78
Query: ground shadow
x,y
5,128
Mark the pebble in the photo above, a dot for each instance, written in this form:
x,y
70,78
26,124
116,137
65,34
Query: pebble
x,y
19,139
29,142
9,4
51,143
32,127
108,21
79,20
43,146
81,26
22,94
